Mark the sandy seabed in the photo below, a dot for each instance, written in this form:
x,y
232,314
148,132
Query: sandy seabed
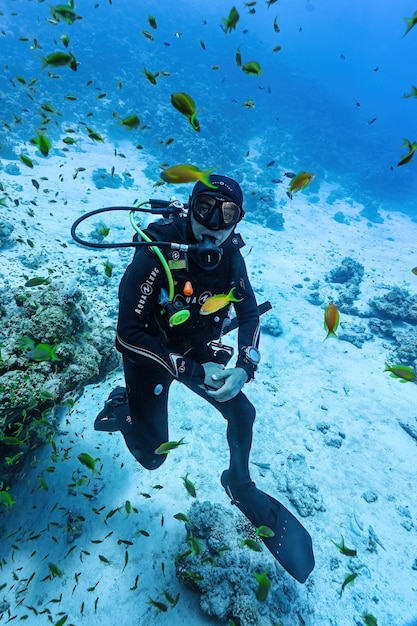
x,y
327,402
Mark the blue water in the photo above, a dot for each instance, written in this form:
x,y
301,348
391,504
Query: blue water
x,y
341,65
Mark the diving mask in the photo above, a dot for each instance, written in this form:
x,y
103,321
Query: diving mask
x,y
215,213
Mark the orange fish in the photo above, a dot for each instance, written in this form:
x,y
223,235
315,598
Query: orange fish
x,y
299,182
331,320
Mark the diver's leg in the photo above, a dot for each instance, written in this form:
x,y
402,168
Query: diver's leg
x,y
240,416
290,542
145,427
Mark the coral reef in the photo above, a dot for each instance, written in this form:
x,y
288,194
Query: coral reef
x,y
343,286
47,352
215,562
397,305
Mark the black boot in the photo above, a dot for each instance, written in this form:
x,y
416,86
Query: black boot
x,y
115,406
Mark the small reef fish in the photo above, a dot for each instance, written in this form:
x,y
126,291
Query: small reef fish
x,y
130,122
264,585
43,143
95,136
412,147
26,160
182,517
249,104
42,352
189,486
369,619
231,21
412,94
414,270
343,549
403,372
55,571
6,500
252,67
299,182
88,461
65,12
36,281
215,303
186,105
60,59
410,22
331,320
265,531
150,76
148,35
238,58
186,173
152,22
161,606
252,544
349,578
166,447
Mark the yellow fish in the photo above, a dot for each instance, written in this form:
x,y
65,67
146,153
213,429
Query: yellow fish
x,y
185,173
412,147
186,105
215,303
252,67
299,182
331,320
405,373
231,21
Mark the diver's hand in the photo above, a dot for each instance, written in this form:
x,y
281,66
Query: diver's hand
x,y
212,371
232,381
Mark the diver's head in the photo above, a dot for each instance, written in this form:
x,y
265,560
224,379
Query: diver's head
x,y
215,212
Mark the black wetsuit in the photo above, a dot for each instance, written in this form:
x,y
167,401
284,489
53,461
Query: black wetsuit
x,y
155,353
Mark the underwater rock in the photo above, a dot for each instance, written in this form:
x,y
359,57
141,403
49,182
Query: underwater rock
x,y
372,214
12,169
355,334
397,305
48,352
341,218
6,231
215,563
382,328
410,429
102,179
370,496
350,271
345,281
272,325
275,221
295,479
405,349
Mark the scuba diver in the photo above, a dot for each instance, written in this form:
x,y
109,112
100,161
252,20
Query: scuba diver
x,y
166,337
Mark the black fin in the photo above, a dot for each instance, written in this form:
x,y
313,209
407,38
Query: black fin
x,y
291,544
